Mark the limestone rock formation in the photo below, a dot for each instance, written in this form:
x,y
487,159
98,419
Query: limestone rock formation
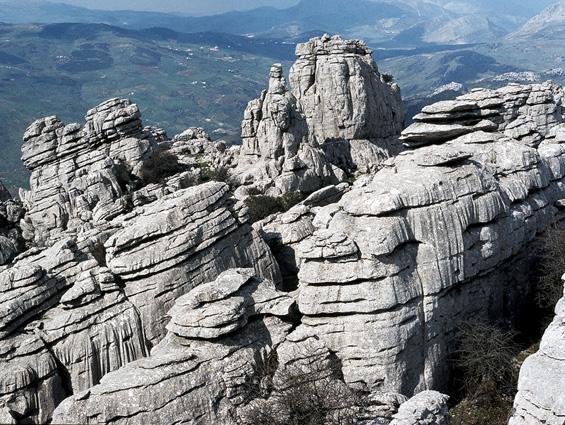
x,y
338,116
283,232
524,113
542,378
79,174
141,296
165,249
109,253
194,147
219,335
82,325
433,238
427,407
11,240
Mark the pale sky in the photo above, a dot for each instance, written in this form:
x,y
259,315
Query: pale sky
x,y
193,7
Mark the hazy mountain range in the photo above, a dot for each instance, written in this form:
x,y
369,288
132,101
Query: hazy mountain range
x,y
416,21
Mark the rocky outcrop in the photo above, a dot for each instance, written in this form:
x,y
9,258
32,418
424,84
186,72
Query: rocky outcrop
x,y
220,334
194,147
80,174
165,249
434,238
427,407
283,232
338,117
221,337
65,323
11,240
524,113
145,298
541,384
110,252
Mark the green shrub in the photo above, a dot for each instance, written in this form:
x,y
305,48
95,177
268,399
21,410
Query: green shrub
x,y
217,174
313,395
387,78
162,165
262,206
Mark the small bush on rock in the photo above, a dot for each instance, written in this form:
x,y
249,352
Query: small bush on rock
x,y
486,362
217,174
262,206
549,286
485,357
162,165
313,396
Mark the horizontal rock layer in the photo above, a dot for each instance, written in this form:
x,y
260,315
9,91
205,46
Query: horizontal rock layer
x,y
434,238
202,371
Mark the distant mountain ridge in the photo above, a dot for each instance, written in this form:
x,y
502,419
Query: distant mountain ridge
x,y
440,21
549,24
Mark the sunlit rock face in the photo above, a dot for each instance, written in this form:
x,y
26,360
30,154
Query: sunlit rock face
x,y
79,174
337,117
108,253
133,297
219,335
436,237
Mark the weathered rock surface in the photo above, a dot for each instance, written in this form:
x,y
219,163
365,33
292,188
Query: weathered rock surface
x,y
110,253
525,113
126,259
542,378
339,116
427,407
59,302
79,174
220,334
165,249
434,238
194,147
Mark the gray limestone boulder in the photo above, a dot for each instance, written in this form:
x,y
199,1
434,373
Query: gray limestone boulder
x,y
425,408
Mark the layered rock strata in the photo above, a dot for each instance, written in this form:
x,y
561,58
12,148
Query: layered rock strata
x,y
165,249
339,116
79,174
434,238
220,334
83,328
541,384
524,113
112,253
206,370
